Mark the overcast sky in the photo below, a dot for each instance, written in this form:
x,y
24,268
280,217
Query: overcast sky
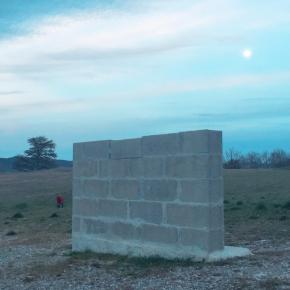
x,y
90,70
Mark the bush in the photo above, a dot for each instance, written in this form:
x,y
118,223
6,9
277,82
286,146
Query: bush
x,y
261,206
286,205
18,215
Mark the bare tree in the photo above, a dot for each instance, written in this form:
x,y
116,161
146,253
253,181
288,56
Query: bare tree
x,y
232,159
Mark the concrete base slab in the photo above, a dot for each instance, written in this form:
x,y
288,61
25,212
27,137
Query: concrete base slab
x,y
228,253
140,249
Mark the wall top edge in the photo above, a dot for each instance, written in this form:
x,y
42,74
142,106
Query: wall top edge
x,y
154,135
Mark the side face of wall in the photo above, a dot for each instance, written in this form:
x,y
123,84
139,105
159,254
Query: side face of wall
x,y
156,195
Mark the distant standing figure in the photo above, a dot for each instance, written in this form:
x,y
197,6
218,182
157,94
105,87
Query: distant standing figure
x,y
59,201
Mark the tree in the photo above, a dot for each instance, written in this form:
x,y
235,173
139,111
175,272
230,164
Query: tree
x,y
232,159
279,158
40,155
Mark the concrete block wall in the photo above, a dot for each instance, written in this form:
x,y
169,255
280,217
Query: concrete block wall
x,y
152,196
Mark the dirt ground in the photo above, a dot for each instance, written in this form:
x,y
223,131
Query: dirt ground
x,y
35,239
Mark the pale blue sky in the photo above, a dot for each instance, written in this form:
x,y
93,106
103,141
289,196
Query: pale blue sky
x,y
90,70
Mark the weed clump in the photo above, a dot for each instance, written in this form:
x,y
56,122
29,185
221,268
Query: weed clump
x,y
286,205
240,202
11,233
54,215
261,206
18,215
282,218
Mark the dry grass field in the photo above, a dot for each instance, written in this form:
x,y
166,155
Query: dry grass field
x,y
35,239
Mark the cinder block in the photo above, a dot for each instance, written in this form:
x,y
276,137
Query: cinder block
x,y
188,215
104,168
88,207
216,214
194,142
208,240
96,150
126,168
159,234
85,168
215,142
216,240
160,144
130,148
216,190
94,188
126,189
187,166
112,208
195,191
77,151
193,237
76,224
77,189
160,190
94,227
76,206
125,231
150,212
153,166
215,166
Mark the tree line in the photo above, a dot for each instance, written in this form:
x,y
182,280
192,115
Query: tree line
x,y
277,158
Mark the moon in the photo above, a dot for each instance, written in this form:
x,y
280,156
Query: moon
x,y
247,53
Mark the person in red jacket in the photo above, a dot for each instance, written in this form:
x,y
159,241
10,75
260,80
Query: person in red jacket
x,y
59,201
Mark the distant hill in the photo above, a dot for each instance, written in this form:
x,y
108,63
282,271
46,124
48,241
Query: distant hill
x,y
6,164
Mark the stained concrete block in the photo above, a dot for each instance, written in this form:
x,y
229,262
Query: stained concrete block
x,y
126,189
160,144
188,215
124,230
150,212
94,188
187,166
158,234
112,208
160,190
153,166
91,226
126,168
130,148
